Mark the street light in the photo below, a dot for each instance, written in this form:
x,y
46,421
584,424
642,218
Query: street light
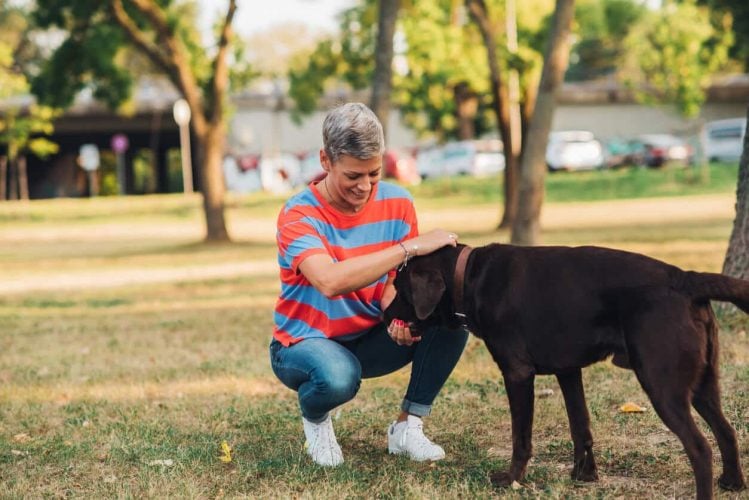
x,y
181,111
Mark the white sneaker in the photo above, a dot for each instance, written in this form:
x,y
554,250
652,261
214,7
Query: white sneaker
x,y
408,437
321,444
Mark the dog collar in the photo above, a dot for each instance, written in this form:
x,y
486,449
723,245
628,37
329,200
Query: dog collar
x,y
459,282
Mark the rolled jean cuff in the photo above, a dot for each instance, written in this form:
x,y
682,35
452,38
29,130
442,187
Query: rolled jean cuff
x,y
415,408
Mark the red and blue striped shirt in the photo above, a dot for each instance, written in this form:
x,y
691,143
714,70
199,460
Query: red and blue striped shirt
x,y
309,225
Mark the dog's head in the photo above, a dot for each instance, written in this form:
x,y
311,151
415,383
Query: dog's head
x,y
420,291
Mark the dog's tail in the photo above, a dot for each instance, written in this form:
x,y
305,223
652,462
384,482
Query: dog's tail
x,y
713,286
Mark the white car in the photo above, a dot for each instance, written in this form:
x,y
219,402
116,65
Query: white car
x,y
478,158
724,139
574,150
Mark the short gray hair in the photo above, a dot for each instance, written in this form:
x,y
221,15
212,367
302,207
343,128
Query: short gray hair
x,y
352,129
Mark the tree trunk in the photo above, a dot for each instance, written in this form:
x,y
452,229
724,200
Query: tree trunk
x,y
12,177
211,147
23,179
383,72
501,106
526,229
737,256
466,106
3,178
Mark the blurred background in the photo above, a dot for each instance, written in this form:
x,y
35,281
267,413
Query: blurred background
x,y
91,93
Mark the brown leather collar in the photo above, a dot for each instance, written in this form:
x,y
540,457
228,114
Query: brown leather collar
x,y
459,281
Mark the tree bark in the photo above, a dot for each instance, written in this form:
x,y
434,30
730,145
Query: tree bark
x,y
3,178
737,257
501,106
466,105
23,179
211,146
383,73
526,230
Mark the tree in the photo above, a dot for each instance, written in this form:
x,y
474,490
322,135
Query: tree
x,y
382,80
165,32
739,10
737,257
502,109
673,53
526,228
22,127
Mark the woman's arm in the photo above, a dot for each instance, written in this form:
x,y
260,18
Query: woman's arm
x,y
336,278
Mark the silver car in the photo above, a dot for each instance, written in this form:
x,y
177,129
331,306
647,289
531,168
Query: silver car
x,y
574,150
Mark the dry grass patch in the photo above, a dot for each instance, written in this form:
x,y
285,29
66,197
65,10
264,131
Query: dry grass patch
x,y
129,390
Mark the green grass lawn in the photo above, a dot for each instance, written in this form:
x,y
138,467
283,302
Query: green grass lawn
x,y
130,390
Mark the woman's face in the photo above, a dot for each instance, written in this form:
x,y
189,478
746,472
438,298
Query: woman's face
x,y
350,180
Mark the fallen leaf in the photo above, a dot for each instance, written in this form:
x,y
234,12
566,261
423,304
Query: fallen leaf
x,y
630,407
515,485
225,452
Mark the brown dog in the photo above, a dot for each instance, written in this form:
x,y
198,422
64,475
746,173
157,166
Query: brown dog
x,y
554,310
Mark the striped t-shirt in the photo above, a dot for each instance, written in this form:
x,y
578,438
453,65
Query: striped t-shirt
x,y
309,225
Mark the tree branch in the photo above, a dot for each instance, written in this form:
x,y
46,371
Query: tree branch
x,y
221,65
138,38
175,64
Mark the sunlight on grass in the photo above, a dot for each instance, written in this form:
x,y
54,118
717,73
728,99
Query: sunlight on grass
x,y
131,392
128,343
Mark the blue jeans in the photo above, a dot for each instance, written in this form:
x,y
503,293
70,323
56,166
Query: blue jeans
x,y
327,373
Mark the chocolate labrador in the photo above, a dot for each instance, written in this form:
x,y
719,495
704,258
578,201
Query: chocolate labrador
x,y
554,310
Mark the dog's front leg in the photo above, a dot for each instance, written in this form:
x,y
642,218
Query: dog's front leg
x,y
520,394
571,383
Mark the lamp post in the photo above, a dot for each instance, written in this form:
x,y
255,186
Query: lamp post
x,y
182,116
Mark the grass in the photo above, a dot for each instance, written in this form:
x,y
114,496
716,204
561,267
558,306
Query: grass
x,y
130,352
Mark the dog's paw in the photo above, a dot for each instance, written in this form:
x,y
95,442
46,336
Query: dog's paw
x,y
584,475
731,483
501,479
585,469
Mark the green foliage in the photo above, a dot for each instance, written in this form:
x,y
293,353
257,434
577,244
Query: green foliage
x,y
22,129
600,26
85,59
739,10
672,54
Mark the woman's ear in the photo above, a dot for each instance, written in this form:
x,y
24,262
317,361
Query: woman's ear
x,y
324,160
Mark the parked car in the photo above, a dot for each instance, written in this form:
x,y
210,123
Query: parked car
x,y
724,139
400,165
479,158
310,169
574,150
620,152
656,150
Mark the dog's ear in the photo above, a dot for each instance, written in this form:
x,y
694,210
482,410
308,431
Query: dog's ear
x,y
427,287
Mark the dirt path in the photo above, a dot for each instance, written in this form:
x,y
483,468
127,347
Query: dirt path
x,y
561,215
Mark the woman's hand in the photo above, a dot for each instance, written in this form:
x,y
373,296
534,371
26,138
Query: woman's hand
x,y
400,332
429,242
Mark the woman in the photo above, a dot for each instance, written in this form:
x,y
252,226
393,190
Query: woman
x,y
339,242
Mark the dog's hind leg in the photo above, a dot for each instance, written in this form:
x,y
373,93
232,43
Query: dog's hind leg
x,y
668,378
520,393
571,383
706,401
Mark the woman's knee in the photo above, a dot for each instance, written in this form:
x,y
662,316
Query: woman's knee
x,y
339,381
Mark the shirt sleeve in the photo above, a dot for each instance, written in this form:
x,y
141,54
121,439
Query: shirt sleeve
x,y
298,240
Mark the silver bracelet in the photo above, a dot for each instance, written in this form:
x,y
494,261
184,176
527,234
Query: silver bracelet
x,y
407,255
